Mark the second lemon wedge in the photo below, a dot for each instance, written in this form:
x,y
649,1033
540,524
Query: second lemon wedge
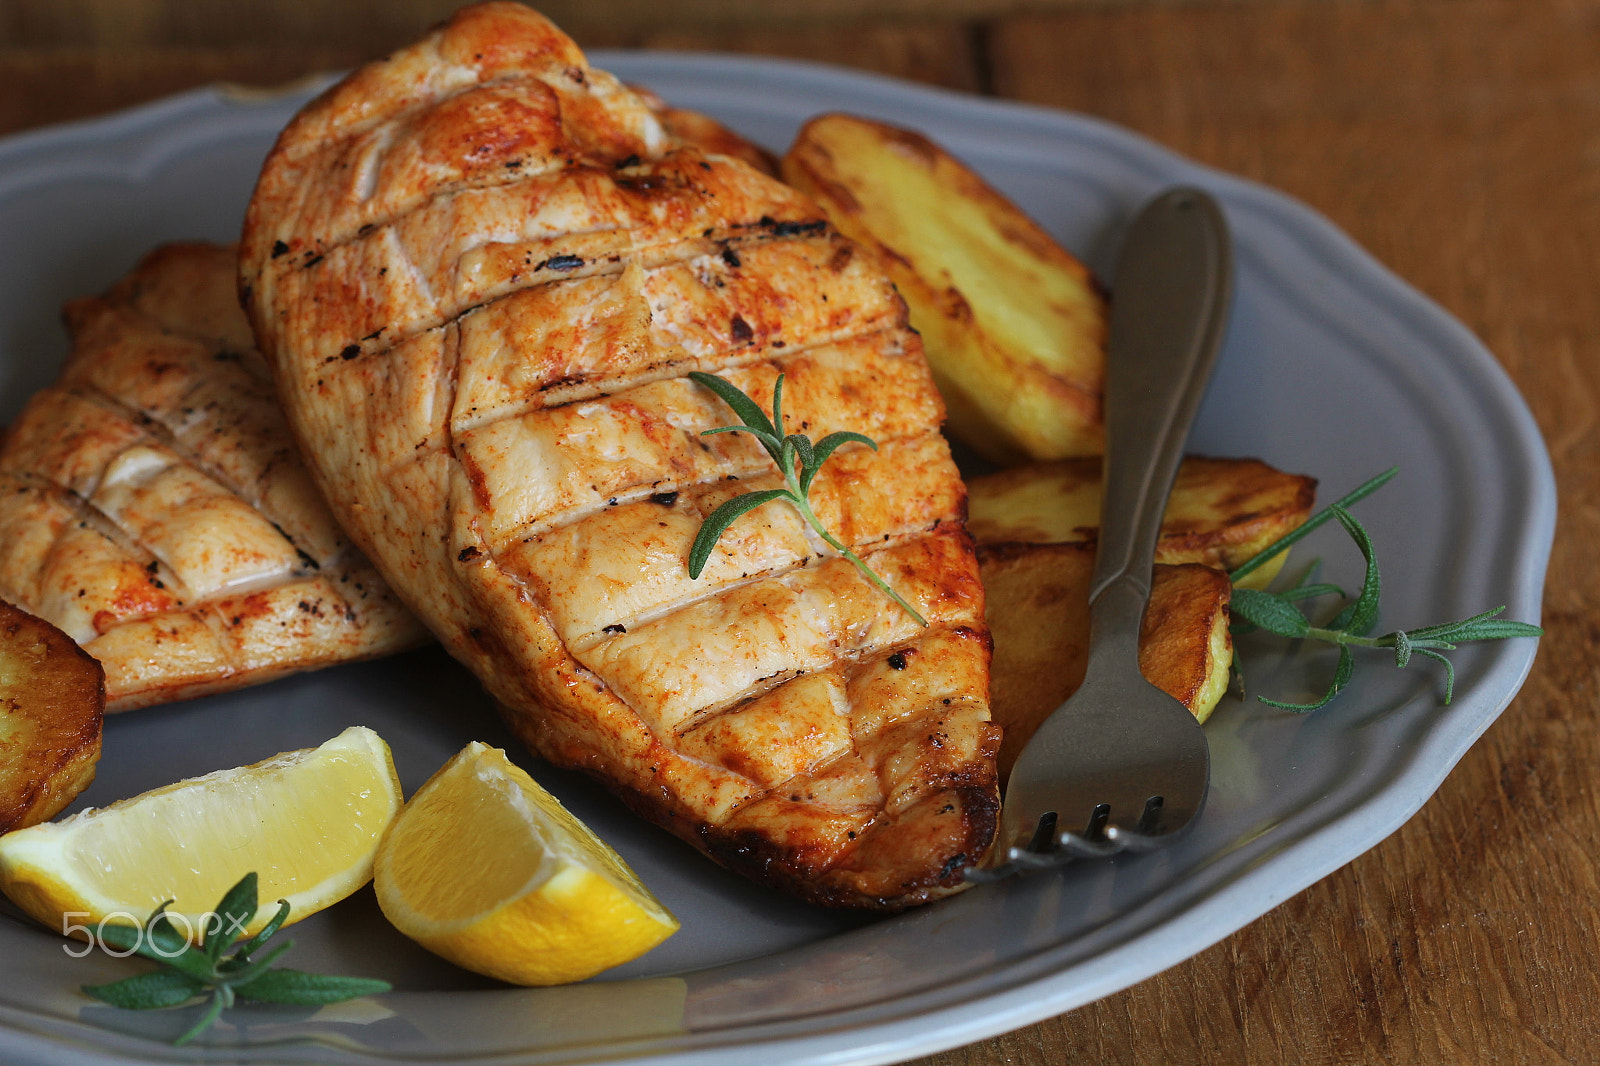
x,y
485,868
307,822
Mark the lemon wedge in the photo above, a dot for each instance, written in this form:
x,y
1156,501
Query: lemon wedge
x,y
485,868
307,822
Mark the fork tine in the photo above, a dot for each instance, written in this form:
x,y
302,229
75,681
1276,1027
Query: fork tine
x,y
1118,738
1095,828
1152,815
1044,833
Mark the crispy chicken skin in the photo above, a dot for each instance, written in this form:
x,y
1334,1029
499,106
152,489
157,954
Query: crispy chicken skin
x,y
481,270
153,505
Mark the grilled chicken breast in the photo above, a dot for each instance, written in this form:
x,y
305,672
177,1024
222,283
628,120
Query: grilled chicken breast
x,y
153,505
481,270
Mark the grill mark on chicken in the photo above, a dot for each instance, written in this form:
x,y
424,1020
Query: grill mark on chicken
x,y
596,388
683,453
470,277
847,662
140,485
691,701
710,592
85,514
755,472
383,131
768,542
128,540
163,518
161,434
200,399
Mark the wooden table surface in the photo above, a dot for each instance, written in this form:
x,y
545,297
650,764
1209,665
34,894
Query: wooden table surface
x,y
1459,141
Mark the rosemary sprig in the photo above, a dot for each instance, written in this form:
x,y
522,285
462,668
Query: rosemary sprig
x,y
188,971
1278,612
798,461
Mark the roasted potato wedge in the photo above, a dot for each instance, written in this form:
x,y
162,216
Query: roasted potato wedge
x,y
52,703
1038,613
1221,512
1013,325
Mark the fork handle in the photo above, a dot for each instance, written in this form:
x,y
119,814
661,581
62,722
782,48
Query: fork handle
x,y
1168,309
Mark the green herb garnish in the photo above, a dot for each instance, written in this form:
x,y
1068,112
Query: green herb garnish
x,y
188,971
1277,612
798,461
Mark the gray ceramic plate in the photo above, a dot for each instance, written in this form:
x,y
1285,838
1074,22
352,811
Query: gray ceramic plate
x,y
1332,367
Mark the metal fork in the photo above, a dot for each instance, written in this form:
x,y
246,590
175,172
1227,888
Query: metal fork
x,y
1122,765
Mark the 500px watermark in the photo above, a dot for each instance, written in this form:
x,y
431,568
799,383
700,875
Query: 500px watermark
x,y
170,946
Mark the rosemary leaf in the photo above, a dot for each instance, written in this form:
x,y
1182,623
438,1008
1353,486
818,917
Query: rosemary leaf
x,y
221,997
825,448
145,991
238,906
243,971
1402,649
1310,592
124,938
1449,672
1360,616
798,461
1294,536
1267,611
284,985
212,971
243,950
717,522
1275,611
748,411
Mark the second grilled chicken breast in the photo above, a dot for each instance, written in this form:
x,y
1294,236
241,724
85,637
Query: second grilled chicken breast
x,y
481,270
153,504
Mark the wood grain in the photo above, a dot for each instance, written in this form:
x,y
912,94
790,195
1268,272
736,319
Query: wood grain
x,y
339,23
1458,140
41,85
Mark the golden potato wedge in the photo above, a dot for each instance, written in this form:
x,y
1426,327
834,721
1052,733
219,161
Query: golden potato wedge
x,y
52,703
1038,612
1013,325
1221,512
